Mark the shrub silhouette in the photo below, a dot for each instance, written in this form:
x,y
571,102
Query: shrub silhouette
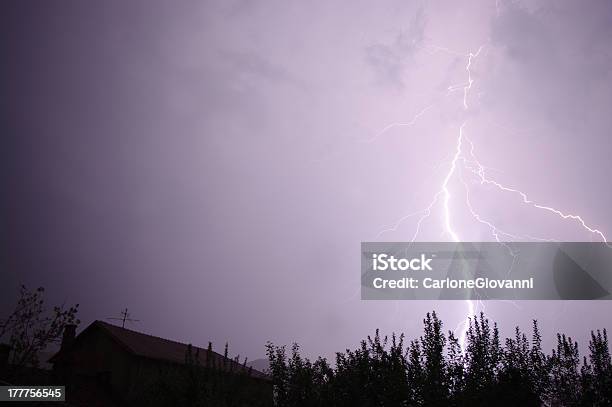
x,y
433,370
215,382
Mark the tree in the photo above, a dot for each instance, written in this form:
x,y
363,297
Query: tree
x,y
565,380
30,328
596,373
515,381
483,356
435,380
215,381
435,370
539,364
455,366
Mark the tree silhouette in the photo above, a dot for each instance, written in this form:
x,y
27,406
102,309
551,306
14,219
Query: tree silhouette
x,y
596,373
30,328
219,382
433,370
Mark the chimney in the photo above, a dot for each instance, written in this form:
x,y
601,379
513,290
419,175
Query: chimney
x,y
5,350
69,335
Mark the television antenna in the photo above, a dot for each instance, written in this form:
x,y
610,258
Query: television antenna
x,y
125,317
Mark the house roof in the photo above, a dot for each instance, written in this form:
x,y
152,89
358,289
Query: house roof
x,y
153,347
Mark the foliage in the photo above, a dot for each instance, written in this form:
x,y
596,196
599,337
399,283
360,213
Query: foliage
x,y
434,370
30,328
219,382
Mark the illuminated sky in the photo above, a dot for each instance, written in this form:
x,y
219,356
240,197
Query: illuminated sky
x,y
214,166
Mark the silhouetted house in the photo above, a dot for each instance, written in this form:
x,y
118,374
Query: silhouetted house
x,y
120,360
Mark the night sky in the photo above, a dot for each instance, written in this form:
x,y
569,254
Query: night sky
x,y
214,166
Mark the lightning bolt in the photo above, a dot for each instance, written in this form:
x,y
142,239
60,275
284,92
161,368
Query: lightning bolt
x,y
464,159
393,125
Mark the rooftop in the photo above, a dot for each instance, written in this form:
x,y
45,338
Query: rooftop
x,y
153,347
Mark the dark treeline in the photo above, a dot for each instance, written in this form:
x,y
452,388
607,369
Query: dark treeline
x,y
434,371
208,383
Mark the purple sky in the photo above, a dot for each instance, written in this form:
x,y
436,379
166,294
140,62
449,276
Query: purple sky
x,y
214,166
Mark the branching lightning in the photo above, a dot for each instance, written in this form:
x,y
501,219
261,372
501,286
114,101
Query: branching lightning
x,y
407,124
464,160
